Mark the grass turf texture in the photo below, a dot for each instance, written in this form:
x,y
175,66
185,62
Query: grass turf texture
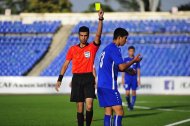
x,y
56,110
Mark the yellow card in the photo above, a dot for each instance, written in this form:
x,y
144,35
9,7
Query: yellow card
x,y
97,6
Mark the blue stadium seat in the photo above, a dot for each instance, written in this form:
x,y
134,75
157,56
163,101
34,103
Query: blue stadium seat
x,y
20,53
164,44
159,57
140,26
36,27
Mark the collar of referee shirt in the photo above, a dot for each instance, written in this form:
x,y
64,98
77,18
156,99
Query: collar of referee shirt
x,y
84,46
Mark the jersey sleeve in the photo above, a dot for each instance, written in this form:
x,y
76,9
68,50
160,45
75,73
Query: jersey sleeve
x,y
116,56
125,60
138,65
69,55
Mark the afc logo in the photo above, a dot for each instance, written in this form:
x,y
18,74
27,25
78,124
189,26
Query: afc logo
x,y
169,85
87,54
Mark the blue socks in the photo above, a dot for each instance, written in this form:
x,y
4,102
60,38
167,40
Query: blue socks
x,y
133,101
128,101
107,120
117,120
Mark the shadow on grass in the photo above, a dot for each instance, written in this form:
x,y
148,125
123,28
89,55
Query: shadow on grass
x,y
141,114
95,120
168,107
133,115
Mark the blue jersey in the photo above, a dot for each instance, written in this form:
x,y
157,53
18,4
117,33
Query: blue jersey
x,y
134,66
108,67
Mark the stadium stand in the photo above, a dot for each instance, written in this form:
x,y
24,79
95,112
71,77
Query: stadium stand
x,y
163,54
35,27
140,26
22,50
19,54
167,41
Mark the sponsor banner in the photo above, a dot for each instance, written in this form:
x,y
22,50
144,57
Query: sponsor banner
x,y
163,85
46,85
33,85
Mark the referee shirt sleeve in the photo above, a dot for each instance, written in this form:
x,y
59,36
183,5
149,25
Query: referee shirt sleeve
x,y
95,46
69,55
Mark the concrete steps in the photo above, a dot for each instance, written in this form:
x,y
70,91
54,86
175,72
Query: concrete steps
x,y
58,43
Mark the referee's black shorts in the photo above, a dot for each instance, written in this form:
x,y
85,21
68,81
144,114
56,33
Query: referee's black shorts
x,y
82,87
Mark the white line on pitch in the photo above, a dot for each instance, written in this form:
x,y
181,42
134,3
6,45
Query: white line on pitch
x,y
162,102
149,108
180,122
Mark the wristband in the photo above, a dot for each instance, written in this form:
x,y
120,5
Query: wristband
x,y
60,78
101,19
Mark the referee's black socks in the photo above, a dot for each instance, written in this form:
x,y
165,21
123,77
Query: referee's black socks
x,y
89,115
80,119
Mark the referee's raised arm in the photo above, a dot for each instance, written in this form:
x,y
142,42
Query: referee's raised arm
x,y
100,25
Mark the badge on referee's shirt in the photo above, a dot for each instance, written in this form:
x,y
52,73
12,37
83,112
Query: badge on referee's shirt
x,y
87,54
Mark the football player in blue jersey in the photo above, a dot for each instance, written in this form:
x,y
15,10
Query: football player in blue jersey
x,y
111,62
131,78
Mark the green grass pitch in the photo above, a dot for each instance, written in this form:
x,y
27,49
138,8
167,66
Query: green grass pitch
x,y
56,110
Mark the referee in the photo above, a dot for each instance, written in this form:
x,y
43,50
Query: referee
x,y
83,81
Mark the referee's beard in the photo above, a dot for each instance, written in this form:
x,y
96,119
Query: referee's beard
x,y
83,42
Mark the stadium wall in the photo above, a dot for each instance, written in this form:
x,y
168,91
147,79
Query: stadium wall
x,y
45,85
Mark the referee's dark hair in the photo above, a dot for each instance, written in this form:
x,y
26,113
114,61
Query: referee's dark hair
x,y
120,32
84,29
131,47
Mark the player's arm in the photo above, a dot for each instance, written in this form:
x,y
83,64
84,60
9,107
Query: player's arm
x,y
100,25
95,76
62,72
69,57
94,72
123,78
124,66
139,76
64,67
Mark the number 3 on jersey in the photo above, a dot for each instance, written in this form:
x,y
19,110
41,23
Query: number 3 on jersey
x,y
101,59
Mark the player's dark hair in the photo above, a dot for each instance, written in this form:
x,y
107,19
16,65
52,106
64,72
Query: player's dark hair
x,y
84,29
120,32
131,47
